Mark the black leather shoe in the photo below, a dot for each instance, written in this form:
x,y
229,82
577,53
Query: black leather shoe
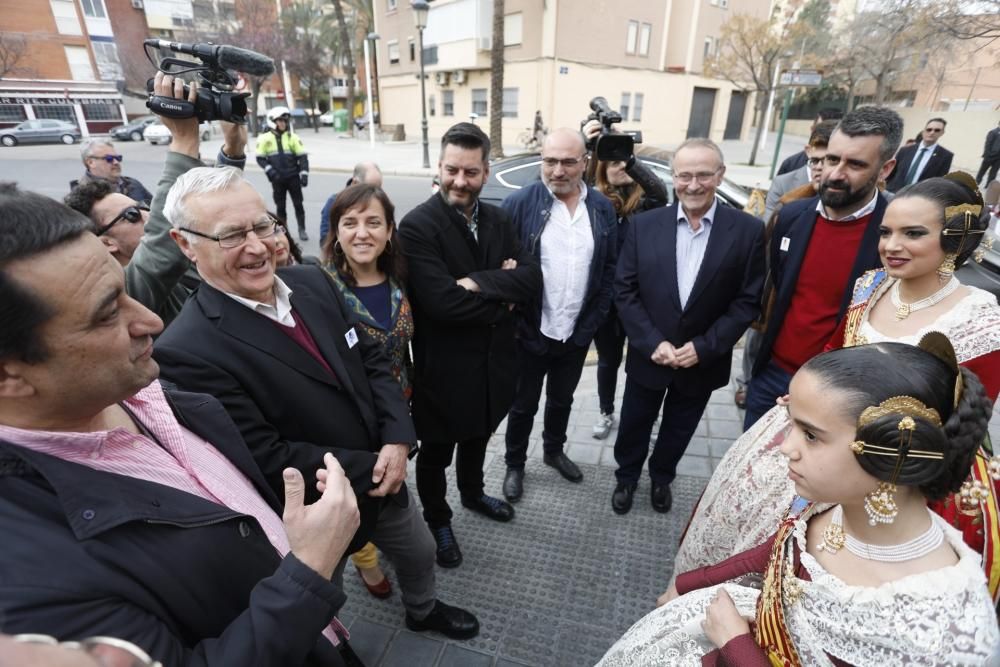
x,y
621,499
449,621
565,467
448,553
491,507
513,484
661,497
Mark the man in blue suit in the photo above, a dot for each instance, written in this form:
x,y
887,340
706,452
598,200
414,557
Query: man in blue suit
x,y
688,284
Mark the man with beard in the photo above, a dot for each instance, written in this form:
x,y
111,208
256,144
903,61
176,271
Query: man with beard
x,y
467,271
818,249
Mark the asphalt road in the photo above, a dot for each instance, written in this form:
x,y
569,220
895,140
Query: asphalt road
x,y
49,168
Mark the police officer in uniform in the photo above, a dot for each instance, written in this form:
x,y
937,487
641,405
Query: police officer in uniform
x,y
283,158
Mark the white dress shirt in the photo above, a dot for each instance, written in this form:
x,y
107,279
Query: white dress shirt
x,y
691,247
280,312
567,250
928,151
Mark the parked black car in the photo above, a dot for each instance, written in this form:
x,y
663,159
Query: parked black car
x,y
513,173
40,131
132,131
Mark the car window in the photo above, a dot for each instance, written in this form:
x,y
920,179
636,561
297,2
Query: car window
x,y
663,173
30,125
50,123
521,175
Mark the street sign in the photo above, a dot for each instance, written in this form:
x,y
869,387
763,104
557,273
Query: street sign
x,y
801,77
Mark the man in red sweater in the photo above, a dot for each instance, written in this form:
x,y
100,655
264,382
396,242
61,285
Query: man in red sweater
x,y
818,249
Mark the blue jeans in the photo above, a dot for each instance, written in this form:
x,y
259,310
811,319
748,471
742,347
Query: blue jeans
x,y
763,390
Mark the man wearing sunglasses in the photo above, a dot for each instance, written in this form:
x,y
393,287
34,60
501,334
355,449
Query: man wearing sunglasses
x,y
922,160
157,274
104,163
572,230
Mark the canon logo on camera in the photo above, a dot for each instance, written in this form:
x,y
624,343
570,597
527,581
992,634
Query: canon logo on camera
x,y
171,106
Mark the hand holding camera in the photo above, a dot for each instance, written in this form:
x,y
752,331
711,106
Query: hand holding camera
x,y
604,141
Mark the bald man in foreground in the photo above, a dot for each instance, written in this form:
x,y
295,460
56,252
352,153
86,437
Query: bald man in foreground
x,y
572,229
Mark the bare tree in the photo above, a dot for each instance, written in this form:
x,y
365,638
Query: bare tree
x,y
13,53
748,51
496,81
979,20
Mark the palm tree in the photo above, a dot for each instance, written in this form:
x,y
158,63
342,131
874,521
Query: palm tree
x,y
496,81
349,68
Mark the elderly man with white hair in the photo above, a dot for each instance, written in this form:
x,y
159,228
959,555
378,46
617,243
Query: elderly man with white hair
x,y
281,352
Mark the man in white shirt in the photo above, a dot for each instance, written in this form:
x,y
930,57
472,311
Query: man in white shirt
x,y
571,229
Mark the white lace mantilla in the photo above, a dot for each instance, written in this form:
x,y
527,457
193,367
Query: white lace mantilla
x,y
750,491
942,617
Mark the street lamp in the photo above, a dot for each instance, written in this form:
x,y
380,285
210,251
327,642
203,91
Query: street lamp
x,y
371,99
420,9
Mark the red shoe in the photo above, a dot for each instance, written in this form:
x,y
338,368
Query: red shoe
x,y
381,590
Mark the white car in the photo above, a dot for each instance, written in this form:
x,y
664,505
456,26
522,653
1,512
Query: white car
x,y
157,133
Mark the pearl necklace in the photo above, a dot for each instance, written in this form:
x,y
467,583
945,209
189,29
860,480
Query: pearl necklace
x,y
903,310
834,538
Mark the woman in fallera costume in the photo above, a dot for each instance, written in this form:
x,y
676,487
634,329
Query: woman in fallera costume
x,y
865,574
929,230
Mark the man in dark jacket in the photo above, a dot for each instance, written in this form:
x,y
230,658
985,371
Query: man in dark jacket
x,y
104,163
572,230
467,270
921,160
132,512
991,157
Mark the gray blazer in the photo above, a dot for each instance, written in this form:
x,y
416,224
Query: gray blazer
x,y
781,185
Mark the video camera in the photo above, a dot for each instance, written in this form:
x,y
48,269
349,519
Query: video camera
x,y
612,146
216,99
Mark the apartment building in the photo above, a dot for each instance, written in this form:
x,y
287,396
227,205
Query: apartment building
x,y
72,67
646,57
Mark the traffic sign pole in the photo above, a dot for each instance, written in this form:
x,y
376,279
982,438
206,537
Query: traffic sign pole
x,y
781,131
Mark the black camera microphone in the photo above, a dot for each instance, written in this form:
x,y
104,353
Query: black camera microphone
x,y
226,57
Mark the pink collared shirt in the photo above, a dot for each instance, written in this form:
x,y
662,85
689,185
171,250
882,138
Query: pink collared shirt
x,y
184,462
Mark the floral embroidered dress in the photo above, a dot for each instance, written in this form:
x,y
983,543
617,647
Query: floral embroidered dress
x,y
750,490
805,616
396,339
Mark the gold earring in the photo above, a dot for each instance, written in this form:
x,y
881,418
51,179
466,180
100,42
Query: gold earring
x,y
880,505
947,267
858,447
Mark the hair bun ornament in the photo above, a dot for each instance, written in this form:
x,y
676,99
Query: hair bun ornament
x,y
968,182
938,344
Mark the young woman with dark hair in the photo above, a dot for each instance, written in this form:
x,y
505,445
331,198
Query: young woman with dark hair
x,y
862,573
930,229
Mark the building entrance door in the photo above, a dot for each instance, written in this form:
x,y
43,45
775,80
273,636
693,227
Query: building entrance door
x,y
734,122
702,106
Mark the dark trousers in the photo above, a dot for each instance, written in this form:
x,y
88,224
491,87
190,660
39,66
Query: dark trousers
x,y
640,405
763,390
562,364
610,343
432,485
989,164
293,187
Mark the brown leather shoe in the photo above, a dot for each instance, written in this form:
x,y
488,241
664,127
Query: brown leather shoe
x,y
381,590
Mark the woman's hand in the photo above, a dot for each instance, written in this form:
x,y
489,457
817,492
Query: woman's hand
x,y
723,621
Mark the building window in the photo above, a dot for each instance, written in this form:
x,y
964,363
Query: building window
x,y
724,4
637,109
479,101
512,29
56,111
413,50
392,5
12,113
447,102
644,33
64,13
79,63
393,48
108,65
631,37
626,99
430,55
431,105
509,103
101,112
93,8
711,47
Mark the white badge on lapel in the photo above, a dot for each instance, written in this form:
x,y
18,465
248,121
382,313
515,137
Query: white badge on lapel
x,y
785,242
351,337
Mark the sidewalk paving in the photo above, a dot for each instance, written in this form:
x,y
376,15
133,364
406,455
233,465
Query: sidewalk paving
x,y
332,151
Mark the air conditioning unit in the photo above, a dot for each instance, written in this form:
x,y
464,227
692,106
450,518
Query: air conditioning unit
x,y
441,78
138,4
460,76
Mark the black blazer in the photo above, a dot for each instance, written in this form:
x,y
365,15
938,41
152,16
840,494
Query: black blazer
x,y
193,583
723,302
463,342
938,164
289,409
796,222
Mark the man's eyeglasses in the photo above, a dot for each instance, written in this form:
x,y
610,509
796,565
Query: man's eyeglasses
x,y
234,239
816,161
567,163
131,213
110,159
934,129
703,177
110,648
